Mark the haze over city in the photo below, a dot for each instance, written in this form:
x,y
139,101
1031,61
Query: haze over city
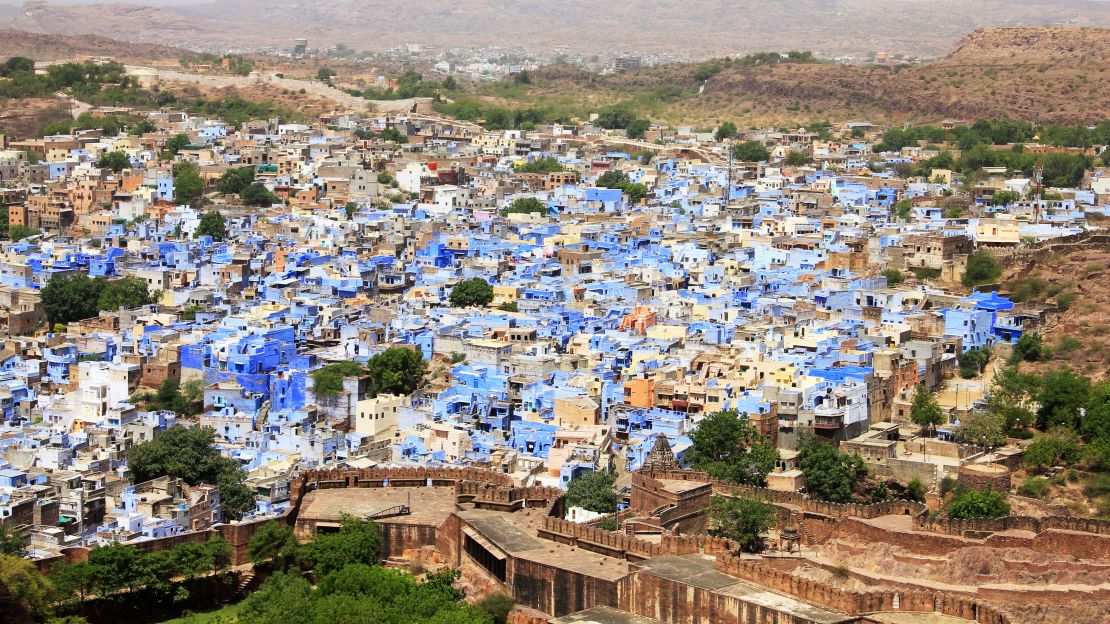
x,y
496,312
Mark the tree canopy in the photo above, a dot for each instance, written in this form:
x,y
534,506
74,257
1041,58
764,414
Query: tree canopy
x,y
593,490
126,292
726,130
256,194
188,454
725,446
471,292
525,205
397,371
213,224
751,151
969,504
830,475
327,381
68,298
925,412
547,164
188,186
357,541
115,161
982,268
742,519
234,180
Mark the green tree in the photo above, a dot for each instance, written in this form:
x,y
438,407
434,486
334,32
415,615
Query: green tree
x,y
141,127
540,165
615,117
973,362
726,130
637,128
982,268
982,428
1062,394
74,582
705,71
127,292
256,194
1009,398
1031,348
28,587
969,504
234,180
612,179
327,381
509,306
176,143
213,224
471,292
830,475
393,135
396,370
356,541
893,277
188,454
115,161
273,542
727,447
925,412
188,186
593,490
751,151
635,192
525,205
17,64
902,209
325,74
1056,446
11,543
1004,198
743,520
915,490
20,232
795,158
68,298
498,605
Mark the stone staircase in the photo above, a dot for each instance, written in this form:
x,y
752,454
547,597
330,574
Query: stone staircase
x,y
245,580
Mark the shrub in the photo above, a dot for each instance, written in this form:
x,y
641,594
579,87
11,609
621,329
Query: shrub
x,y
1034,487
969,504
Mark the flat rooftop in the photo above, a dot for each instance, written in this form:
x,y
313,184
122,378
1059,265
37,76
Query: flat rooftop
x,y
605,615
430,506
518,534
679,486
701,571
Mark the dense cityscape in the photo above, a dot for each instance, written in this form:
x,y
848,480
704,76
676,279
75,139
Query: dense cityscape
x,y
435,351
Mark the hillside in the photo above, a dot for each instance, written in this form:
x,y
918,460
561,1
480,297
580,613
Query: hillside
x,y
42,47
1074,278
1041,74
694,27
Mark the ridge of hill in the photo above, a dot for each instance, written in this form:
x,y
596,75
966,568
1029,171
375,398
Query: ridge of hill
x,y
693,27
45,47
1039,74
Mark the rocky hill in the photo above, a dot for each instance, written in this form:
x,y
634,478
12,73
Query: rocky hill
x,y
42,47
1041,74
695,27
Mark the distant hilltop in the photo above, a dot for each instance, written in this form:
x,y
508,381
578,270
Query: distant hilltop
x,y
1028,45
691,27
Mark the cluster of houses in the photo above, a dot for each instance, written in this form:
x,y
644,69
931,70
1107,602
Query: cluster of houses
x,y
756,287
